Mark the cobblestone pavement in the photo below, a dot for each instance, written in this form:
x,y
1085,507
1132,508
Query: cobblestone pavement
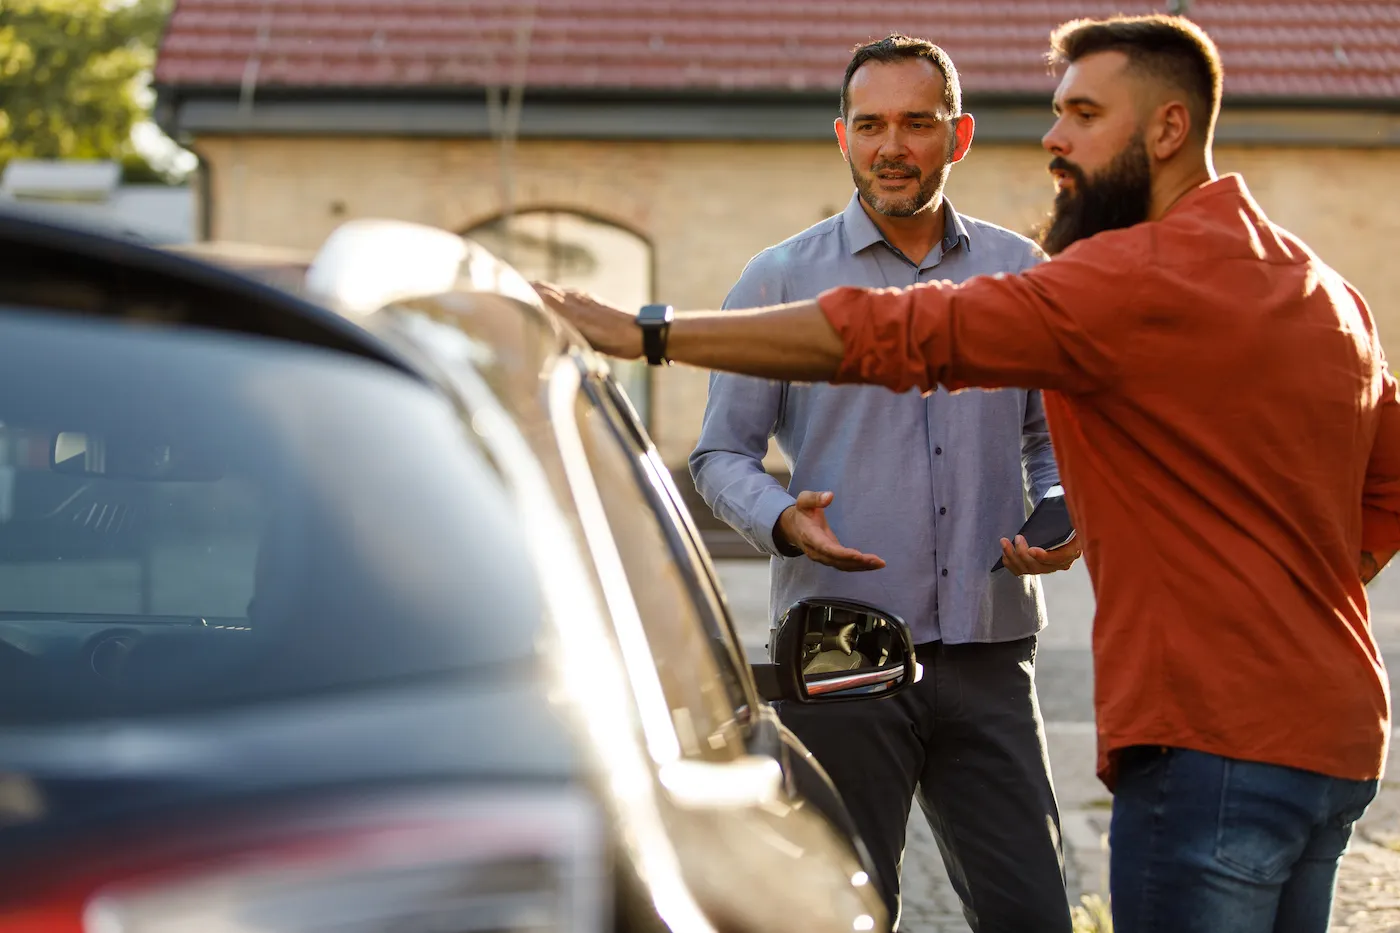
x,y
1368,887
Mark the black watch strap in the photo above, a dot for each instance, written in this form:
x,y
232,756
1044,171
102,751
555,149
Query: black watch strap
x,y
655,322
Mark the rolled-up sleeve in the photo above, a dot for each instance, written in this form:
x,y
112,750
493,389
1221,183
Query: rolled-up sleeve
x,y
1060,325
741,414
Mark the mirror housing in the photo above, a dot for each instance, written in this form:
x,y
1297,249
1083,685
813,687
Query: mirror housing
x,y
833,650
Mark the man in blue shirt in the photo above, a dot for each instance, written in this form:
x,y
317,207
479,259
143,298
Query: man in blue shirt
x,y
920,491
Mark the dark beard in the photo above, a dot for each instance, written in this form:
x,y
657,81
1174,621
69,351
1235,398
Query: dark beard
x,y
930,190
1117,197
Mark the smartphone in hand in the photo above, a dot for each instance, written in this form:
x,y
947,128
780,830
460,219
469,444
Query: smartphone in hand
x,y
1049,525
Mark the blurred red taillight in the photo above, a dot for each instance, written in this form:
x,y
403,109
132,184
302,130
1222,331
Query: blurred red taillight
x,y
513,862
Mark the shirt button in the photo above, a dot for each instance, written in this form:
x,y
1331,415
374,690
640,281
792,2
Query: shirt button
x,y
938,450
943,510
945,571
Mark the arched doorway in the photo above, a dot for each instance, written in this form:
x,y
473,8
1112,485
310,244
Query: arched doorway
x,y
582,252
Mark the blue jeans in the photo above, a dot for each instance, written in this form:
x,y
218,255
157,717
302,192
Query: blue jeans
x,y
1202,843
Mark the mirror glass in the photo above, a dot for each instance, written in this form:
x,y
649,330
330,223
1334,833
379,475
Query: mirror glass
x,y
75,453
850,652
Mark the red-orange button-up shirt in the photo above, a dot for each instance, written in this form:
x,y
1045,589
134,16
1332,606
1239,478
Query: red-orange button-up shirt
x,y
1229,441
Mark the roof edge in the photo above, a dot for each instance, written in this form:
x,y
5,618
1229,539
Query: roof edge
x,y
187,113
692,95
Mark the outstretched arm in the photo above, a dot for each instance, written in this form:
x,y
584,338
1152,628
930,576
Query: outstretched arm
x,y
1058,326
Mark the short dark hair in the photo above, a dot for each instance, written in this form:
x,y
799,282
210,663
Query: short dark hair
x,y
897,47
1171,49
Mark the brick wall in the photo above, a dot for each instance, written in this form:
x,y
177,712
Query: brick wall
x,y
707,207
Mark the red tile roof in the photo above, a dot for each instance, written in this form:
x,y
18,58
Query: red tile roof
x,y
1272,48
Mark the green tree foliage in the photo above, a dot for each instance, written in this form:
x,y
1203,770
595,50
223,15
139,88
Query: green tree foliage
x,y
71,76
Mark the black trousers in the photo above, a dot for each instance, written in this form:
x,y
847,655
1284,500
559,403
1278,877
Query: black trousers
x,y
968,742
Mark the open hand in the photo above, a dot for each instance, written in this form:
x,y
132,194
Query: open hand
x,y
608,328
1022,559
804,526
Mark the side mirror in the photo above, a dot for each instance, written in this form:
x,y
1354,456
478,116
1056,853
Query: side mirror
x,y
829,650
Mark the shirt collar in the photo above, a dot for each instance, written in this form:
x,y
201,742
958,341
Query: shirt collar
x,y
954,230
861,232
1231,185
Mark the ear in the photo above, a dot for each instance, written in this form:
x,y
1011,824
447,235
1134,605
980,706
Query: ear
x,y
1170,131
840,127
963,131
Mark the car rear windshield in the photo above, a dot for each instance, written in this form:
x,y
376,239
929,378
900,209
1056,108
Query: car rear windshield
x,y
191,518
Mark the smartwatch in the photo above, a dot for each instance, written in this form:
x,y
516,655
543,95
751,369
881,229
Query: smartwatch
x,y
655,322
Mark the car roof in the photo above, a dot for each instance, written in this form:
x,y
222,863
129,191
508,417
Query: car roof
x,y
524,339
392,275
27,239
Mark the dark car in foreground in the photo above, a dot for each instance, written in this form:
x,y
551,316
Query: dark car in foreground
x,y
377,612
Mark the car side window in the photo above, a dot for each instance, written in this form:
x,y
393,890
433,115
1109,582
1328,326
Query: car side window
x,y
706,581
707,700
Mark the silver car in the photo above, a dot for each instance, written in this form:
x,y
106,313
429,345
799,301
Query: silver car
x,y
373,608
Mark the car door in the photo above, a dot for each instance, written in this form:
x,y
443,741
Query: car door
x,y
661,540
805,778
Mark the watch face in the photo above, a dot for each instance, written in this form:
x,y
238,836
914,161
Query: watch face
x,y
655,314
